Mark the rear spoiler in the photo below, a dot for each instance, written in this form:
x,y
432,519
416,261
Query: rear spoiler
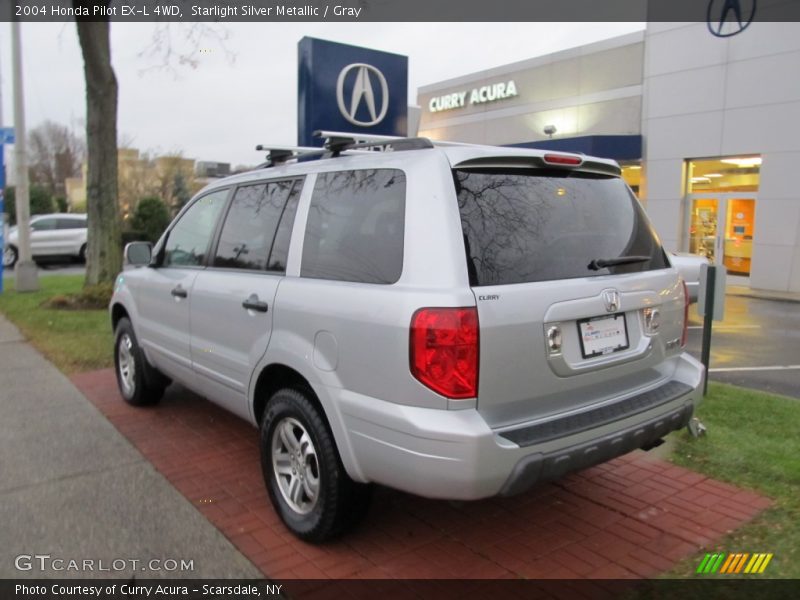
x,y
539,162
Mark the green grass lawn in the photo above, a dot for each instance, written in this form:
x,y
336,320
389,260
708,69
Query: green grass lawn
x,y
753,441
74,340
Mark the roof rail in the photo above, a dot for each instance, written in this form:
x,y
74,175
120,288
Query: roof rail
x,y
337,141
278,155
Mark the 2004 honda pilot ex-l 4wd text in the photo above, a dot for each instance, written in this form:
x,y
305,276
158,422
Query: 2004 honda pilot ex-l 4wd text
x,y
453,321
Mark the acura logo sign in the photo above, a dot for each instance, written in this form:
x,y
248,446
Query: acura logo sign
x,y
361,93
729,17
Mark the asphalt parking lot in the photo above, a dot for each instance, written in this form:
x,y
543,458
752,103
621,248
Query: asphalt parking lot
x,y
756,345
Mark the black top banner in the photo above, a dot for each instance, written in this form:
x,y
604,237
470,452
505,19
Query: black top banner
x,y
734,12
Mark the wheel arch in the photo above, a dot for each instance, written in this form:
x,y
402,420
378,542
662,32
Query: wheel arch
x,y
276,376
118,311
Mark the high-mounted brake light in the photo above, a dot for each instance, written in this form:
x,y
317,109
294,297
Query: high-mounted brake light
x,y
443,350
562,159
685,334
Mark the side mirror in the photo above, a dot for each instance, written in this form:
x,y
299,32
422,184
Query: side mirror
x,y
136,255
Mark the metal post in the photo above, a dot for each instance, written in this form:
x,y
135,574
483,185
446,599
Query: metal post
x,y
27,277
2,187
708,317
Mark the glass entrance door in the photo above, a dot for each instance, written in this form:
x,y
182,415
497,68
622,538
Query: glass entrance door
x,y
721,227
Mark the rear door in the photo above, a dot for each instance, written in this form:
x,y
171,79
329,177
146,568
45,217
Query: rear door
x,y
563,264
233,300
71,234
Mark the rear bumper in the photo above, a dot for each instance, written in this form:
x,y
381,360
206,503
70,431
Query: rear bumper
x,y
454,454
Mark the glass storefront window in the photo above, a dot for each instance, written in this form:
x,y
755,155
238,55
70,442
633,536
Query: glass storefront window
x,y
732,174
632,174
722,195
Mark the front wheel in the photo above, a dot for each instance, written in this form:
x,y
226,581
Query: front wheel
x,y
10,257
305,478
139,383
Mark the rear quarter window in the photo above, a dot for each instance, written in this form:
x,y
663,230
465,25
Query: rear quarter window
x,y
527,225
355,227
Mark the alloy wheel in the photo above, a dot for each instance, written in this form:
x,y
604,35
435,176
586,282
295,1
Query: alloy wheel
x,y
295,465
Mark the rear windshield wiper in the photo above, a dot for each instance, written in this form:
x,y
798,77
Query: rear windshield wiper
x,y
602,263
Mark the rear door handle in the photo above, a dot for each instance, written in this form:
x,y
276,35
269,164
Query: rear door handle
x,y
179,292
253,303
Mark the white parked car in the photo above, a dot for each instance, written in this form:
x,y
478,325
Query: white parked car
x,y
51,235
688,266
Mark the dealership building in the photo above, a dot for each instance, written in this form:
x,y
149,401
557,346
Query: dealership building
x,y
707,130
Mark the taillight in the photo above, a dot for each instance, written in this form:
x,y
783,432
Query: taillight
x,y
562,159
444,350
685,334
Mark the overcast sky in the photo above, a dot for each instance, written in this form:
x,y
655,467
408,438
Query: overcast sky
x,y
220,110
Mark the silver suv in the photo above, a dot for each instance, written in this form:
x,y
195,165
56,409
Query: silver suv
x,y
449,320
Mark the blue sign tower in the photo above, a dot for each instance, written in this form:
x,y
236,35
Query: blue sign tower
x,y
348,88
6,137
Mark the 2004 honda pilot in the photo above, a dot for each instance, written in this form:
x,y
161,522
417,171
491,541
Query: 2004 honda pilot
x,y
454,321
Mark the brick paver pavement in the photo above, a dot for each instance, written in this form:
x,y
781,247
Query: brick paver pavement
x,y
630,518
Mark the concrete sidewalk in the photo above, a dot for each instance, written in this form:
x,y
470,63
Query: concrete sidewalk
x,y
73,488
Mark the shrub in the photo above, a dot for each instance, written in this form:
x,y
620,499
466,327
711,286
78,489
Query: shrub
x,y
151,217
41,202
90,297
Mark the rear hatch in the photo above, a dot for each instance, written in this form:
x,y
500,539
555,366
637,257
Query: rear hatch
x,y
577,302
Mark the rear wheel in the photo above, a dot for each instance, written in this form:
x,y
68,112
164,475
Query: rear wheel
x,y
305,478
82,254
139,383
10,257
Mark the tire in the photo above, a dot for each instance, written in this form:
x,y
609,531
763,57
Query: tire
x,y
291,422
139,383
82,254
10,257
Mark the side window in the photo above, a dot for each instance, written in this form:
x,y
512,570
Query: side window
x,y
188,240
44,225
355,226
280,247
68,223
257,218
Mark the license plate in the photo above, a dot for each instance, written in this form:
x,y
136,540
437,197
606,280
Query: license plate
x,y
603,335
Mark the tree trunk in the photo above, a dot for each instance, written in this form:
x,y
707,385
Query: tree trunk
x,y
104,252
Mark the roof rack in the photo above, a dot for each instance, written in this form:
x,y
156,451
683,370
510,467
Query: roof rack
x,y
278,155
337,141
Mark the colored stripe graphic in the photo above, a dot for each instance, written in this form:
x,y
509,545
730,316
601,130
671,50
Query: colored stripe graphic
x,y
740,564
735,563
732,558
717,563
765,563
703,563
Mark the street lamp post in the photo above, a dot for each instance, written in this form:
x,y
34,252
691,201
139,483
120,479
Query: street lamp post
x,y
27,277
2,185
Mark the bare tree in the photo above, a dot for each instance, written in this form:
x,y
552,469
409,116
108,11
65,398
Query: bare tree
x,y
104,255
54,154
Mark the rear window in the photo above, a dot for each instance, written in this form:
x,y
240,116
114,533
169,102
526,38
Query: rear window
x,y
545,224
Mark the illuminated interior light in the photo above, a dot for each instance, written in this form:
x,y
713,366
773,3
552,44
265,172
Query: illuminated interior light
x,y
743,162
